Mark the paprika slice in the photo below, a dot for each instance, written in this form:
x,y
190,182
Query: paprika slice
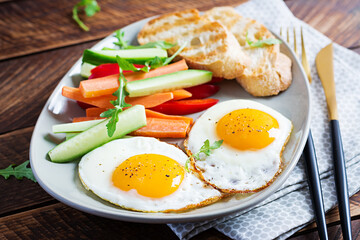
x,y
183,107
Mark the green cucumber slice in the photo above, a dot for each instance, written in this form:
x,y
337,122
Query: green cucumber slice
x,y
86,69
129,121
168,82
70,135
140,56
75,127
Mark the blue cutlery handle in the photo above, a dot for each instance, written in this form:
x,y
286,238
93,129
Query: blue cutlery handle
x,y
341,180
312,172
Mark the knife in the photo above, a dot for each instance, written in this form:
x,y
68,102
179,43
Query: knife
x,y
324,65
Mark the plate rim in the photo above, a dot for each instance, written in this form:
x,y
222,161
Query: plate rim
x,y
177,217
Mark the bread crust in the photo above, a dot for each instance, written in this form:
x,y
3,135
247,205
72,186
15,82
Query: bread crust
x,y
217,41
270,71
210,46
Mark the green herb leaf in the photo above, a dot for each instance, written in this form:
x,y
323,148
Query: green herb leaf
x,y
111,125
107,113
120,95
119,34
158,44
19,172
262,43
158,62
169,59
187,165
90,7
155,63
126,65
216,144
205,149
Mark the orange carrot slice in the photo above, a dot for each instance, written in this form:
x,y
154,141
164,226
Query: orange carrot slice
x,y
152,114
164,128
82,119
75,94
150,100
181,94
94,112
109,84
104,101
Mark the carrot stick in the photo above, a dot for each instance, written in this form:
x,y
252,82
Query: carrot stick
x,y
153,114
75,94
164,128
150,100
104,101
82,119
109,84
181,94
94,112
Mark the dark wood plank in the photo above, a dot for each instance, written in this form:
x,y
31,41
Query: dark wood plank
x,y
357,50
339,20
61,222
27,82
18,194
32,26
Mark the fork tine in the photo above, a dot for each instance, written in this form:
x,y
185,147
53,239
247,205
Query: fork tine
x,y
304,60
287,35
295,45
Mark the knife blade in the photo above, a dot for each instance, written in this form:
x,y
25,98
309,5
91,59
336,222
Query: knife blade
x,y
325,69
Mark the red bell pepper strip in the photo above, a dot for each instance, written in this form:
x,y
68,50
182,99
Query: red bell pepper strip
x,y
84,105
202,91
216,80
107,69
183,107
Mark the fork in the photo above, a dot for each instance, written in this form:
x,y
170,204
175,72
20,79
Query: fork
x,y
311,165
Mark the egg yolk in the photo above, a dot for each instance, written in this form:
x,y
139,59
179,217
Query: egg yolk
x,y
246,129
151,175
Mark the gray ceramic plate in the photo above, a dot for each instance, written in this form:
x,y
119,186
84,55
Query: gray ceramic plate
x,y
62,181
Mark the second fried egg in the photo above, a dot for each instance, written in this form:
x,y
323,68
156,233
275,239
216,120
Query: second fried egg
x,y
254,137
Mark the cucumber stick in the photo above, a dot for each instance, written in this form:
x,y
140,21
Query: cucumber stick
x,y
140,56
75,127
129,121
70,135
168,82
86,69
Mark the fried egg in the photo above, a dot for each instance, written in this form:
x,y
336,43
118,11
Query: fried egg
x,y
254,137
144,174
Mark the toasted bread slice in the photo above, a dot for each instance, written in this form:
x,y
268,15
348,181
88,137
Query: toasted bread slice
x,y
270,71
210,45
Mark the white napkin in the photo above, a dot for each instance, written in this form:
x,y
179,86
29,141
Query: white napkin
x,y
290,209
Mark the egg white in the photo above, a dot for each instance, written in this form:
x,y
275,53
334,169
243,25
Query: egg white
x,y
232,170
96,169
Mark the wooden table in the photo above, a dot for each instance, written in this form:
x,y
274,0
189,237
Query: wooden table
x,y
39,42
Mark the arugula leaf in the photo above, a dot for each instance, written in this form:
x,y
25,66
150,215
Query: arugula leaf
x,y
119,103
262,43
19,172
119,34
158,62
126,65
205,149
90,7
155,63
169,59
157,44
